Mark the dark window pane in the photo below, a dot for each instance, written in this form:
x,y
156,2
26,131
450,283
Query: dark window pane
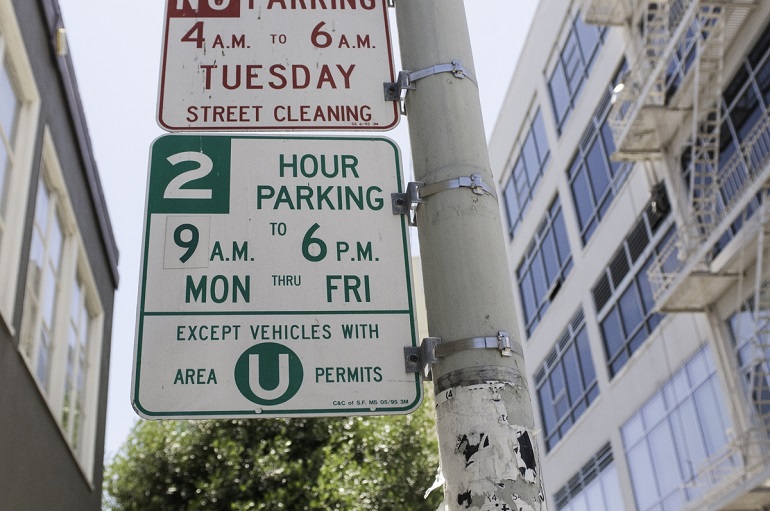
x,y
618,363
562,243
597,169
588,37
521,182
531,159
637,340
540,138
528,297
584,355
546,406
630,309
612,333
572,371
763,81
745,112
609,146
582,196
511,205
573,63
645,289
550,258
538,277
560,96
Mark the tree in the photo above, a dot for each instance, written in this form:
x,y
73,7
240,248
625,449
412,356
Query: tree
x,y
352,463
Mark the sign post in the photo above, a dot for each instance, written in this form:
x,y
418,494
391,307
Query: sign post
x,y
275,280
489,455
246,65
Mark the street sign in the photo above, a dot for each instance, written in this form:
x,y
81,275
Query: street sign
x,y
275,280
276,65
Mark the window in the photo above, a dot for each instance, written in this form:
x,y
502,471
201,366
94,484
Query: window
x,y
43,283
623,295
675,433
19,105
566,383
547,263
594,178
572,65
62,320
526,172
595,487
751,341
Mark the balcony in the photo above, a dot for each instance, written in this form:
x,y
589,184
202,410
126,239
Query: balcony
x,y
700,261
605,12
680,42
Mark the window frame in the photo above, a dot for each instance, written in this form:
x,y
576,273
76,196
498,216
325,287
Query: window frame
x,y
599,473
14,56
74,268
656,416
534,260
594,203
627,273
571,66
573,342
522,182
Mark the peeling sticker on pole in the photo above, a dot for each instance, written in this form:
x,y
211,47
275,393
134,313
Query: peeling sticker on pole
x,y
486,440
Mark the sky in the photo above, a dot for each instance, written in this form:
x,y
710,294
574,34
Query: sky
x,y
116,49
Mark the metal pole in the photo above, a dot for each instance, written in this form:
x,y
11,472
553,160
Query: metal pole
x,y
489,456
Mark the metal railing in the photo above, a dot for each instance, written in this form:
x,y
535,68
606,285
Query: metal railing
x,y
689,247
645,84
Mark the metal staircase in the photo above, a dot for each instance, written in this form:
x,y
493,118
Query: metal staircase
x,y
707,118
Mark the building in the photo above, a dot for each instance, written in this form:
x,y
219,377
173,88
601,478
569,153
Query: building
x,y
633,161
58,273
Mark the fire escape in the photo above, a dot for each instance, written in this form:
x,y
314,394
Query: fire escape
x,y
723,237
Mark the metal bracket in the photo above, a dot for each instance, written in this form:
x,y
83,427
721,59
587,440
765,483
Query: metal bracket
x,y
396,91
475,182
420,359
406,203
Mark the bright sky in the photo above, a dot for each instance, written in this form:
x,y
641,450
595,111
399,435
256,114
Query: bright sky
x,y
116,46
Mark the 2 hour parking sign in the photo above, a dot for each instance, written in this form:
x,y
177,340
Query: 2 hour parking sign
x,y
275,280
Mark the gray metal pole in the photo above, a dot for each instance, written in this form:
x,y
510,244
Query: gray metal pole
x,y
489,457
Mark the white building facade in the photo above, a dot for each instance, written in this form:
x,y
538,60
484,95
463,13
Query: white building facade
x,y
632,157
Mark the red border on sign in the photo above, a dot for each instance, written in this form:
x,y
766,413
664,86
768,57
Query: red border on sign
x,y
258,128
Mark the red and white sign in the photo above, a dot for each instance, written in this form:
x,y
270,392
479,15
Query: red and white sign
x,y
281,65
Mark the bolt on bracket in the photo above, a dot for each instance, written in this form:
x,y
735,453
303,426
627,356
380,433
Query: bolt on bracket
x,y
406,203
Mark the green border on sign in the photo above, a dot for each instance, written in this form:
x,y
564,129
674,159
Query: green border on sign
x,y
215,180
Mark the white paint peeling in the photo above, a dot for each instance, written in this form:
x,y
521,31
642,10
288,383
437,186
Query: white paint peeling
x,y
490,451
437,483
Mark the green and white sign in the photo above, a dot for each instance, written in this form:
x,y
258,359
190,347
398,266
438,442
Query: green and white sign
x,y
275,280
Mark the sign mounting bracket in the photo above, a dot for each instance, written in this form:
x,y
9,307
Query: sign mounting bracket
x,y
406,203
396,91
419,359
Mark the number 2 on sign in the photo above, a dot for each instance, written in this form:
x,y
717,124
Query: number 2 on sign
x,y
174,189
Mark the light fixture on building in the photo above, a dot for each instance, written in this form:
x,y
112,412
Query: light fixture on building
x,y
61,42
